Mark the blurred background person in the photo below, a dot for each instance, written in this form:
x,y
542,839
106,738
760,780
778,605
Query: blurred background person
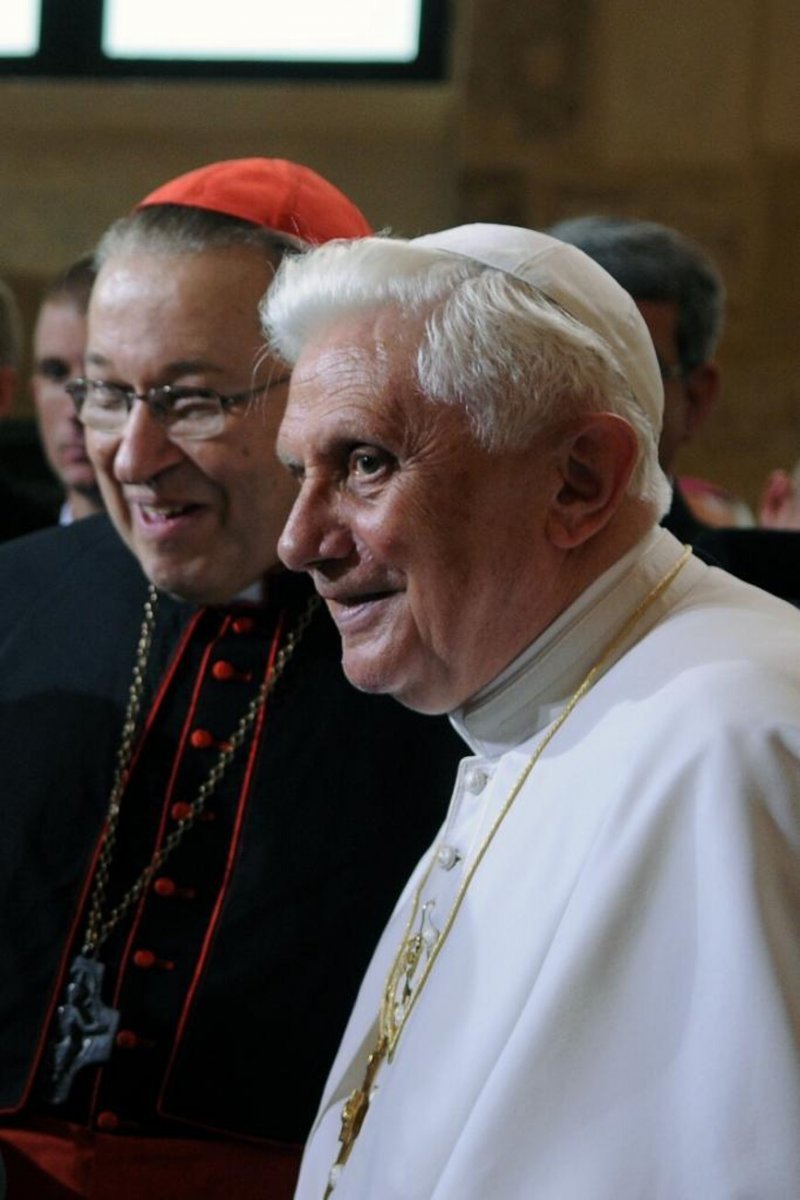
x,y
681,296
779,506
10,343
20,512
59,341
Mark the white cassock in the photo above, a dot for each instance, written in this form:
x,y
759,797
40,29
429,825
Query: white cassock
x,y
615,1014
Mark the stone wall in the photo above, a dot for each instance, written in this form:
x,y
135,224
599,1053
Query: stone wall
x,y
687,113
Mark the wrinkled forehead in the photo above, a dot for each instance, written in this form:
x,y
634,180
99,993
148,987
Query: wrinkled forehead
x,y
222,283
355,374
380,340
163,310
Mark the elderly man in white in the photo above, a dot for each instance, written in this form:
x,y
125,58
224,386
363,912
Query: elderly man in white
x,y
590,988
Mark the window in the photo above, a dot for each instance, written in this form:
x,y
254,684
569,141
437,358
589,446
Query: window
x,y
19,29
268,39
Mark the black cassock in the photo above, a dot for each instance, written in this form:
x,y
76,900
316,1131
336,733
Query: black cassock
x,y
234,974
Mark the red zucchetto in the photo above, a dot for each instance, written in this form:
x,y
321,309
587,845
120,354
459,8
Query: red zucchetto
x,y
271,192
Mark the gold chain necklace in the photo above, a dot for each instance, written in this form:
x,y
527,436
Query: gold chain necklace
x,y
97,929
394,1012
85,1026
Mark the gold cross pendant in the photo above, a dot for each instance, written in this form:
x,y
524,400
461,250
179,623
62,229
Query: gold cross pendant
x,y
354,1110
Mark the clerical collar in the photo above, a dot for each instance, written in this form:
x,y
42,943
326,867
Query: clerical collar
x,y
257,592
254,594
529,693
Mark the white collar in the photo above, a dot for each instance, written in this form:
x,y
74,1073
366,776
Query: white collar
x,y
254,593
528,694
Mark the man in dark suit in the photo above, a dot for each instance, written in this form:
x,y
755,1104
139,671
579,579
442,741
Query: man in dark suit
x,y
59,342
207,824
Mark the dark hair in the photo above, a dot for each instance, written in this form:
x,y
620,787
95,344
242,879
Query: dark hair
x,y
654,262
74,284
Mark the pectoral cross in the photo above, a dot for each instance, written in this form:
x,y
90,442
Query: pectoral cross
x,y
398,998
403,976
354,1111
85,1028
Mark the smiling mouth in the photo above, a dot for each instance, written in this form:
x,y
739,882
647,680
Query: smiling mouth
x,y
161,514
350,610
358,601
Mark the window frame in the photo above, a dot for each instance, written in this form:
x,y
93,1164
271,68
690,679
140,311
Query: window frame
x,y
70,47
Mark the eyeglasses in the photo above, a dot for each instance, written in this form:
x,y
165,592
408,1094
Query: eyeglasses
x,y
186,412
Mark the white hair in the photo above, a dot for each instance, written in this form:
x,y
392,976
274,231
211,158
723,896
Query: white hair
x,y
515,360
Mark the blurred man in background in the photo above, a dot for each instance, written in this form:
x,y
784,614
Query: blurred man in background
x,y
681,296
59,343
20,511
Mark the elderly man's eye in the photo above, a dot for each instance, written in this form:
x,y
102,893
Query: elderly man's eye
x,y
367,462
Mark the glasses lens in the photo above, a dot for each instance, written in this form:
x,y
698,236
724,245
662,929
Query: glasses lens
x,y
101,405
192,413
186,412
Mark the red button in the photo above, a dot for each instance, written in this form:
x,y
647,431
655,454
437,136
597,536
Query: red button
x,y
243,625
201,739
169,890
107,1121
126,1039
180,811
223,671
146,960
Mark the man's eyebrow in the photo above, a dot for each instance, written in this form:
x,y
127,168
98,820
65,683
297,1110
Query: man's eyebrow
x,y
188,366
291,462
181,366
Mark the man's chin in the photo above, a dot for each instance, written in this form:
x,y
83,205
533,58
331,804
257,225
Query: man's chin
x,y
89,490
189,582
364,673
376,680
81,480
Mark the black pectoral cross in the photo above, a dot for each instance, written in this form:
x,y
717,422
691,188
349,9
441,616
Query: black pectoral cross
x,y
84,1029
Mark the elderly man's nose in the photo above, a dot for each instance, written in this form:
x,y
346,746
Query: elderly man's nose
x,y
313,533
144,448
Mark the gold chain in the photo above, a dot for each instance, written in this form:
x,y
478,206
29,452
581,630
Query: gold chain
x,y
390,1024
99,928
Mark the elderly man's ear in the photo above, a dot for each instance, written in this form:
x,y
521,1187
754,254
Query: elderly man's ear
x,y
596,457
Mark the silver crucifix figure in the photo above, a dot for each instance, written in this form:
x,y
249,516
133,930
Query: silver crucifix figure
x,y
84,1028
